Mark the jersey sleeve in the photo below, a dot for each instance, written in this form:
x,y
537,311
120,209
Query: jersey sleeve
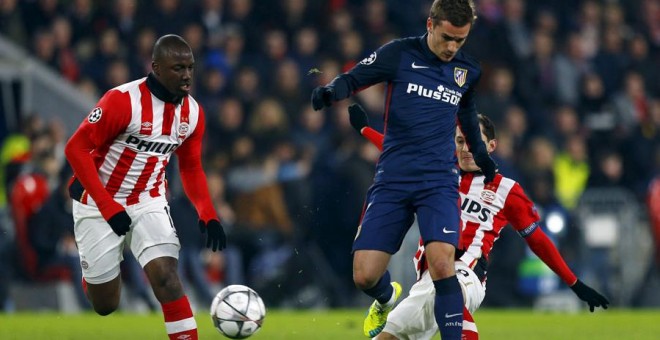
x,y
468,121
381,65
375,137
105,122
192,174
521,213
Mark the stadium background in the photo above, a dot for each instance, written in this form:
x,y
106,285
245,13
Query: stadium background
x,y
571,85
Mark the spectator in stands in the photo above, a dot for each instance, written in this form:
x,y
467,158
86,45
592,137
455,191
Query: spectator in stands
x,y
51,236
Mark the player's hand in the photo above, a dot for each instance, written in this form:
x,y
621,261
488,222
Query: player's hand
x,y
486,164
120,223
322,97
359,119
215,234
589,295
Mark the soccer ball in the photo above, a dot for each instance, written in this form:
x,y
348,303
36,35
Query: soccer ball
x,y
237,311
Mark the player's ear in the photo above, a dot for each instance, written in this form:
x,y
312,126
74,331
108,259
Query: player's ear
x,y
155,67
429,25
491,145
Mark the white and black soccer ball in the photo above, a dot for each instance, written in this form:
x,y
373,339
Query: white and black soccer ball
x,y
237,312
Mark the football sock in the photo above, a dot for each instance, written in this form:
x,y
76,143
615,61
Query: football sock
x,y
383,291
84,287
448,307
469,327
179,320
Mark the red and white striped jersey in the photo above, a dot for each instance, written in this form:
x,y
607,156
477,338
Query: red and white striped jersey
x,y
134,134
485,210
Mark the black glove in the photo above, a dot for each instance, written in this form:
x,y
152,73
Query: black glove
x,y
215,234
486,164
322,97
120,223
359,118
589,295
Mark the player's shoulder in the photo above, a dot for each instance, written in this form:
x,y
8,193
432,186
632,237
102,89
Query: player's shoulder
x,y
511,185
126,87
467,59
407,43
194,104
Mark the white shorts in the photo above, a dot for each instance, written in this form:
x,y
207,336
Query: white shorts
x,y
152,235
413,318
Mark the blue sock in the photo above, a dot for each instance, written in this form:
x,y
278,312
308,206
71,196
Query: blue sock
x,y
448,308
383,290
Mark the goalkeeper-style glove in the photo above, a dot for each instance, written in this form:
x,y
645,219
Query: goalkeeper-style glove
x,y
215,234
322,97
358,117
120,223
589,295
486,164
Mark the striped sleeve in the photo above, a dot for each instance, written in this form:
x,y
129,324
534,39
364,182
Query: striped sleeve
x,y
192,174
96,133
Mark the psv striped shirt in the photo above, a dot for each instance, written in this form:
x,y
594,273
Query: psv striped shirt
x,y
134,134
485,210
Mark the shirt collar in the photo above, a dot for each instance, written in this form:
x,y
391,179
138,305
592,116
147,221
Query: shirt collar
x,y
161,92
426,49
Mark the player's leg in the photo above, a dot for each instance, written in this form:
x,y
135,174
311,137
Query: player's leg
x,y
412,318
100,251
156,247
469,326
439,224
473,294
385,221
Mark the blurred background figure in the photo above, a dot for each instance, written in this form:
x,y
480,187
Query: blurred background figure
x,y
575,93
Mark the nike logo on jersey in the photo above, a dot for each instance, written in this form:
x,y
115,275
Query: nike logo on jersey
x,y
447,316
418,66
444,230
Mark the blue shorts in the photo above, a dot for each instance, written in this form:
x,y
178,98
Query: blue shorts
x,y
391,208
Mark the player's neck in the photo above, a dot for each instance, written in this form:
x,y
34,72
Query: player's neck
x,y
161,92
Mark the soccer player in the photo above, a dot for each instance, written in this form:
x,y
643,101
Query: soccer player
x,y
118,155
485,211
430,83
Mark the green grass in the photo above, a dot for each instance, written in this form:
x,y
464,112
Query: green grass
x,y
342,325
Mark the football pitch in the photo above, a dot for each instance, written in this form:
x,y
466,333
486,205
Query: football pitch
x,y
337,324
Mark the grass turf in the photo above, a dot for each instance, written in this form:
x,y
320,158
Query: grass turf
x,y
337,324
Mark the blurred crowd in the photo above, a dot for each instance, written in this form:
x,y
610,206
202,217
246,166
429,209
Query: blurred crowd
x,y
571,85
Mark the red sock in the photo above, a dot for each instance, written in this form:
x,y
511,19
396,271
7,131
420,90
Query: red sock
x,y
84,286
469,327
179,321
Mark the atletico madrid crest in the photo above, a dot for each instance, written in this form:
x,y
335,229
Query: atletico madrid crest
x,y
460,75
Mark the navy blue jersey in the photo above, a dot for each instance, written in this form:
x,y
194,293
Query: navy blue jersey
x,y
424,96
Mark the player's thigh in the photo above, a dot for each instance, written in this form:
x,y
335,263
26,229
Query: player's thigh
x,y
413,318
386,219
100,249
153,234
438,214
473,289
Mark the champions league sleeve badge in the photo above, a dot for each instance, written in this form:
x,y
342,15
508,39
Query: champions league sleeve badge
x,y
95,115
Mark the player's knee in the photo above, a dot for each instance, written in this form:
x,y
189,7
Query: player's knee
x,y
441,269
385,336
364,281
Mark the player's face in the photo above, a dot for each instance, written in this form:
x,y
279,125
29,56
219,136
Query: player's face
x,y
446,39
175,71
465,160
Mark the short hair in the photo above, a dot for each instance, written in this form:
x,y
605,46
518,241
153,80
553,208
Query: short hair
x,y
488,127
166,44
458,12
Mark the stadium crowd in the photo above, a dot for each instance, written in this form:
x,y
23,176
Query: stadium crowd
x,y
572,86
